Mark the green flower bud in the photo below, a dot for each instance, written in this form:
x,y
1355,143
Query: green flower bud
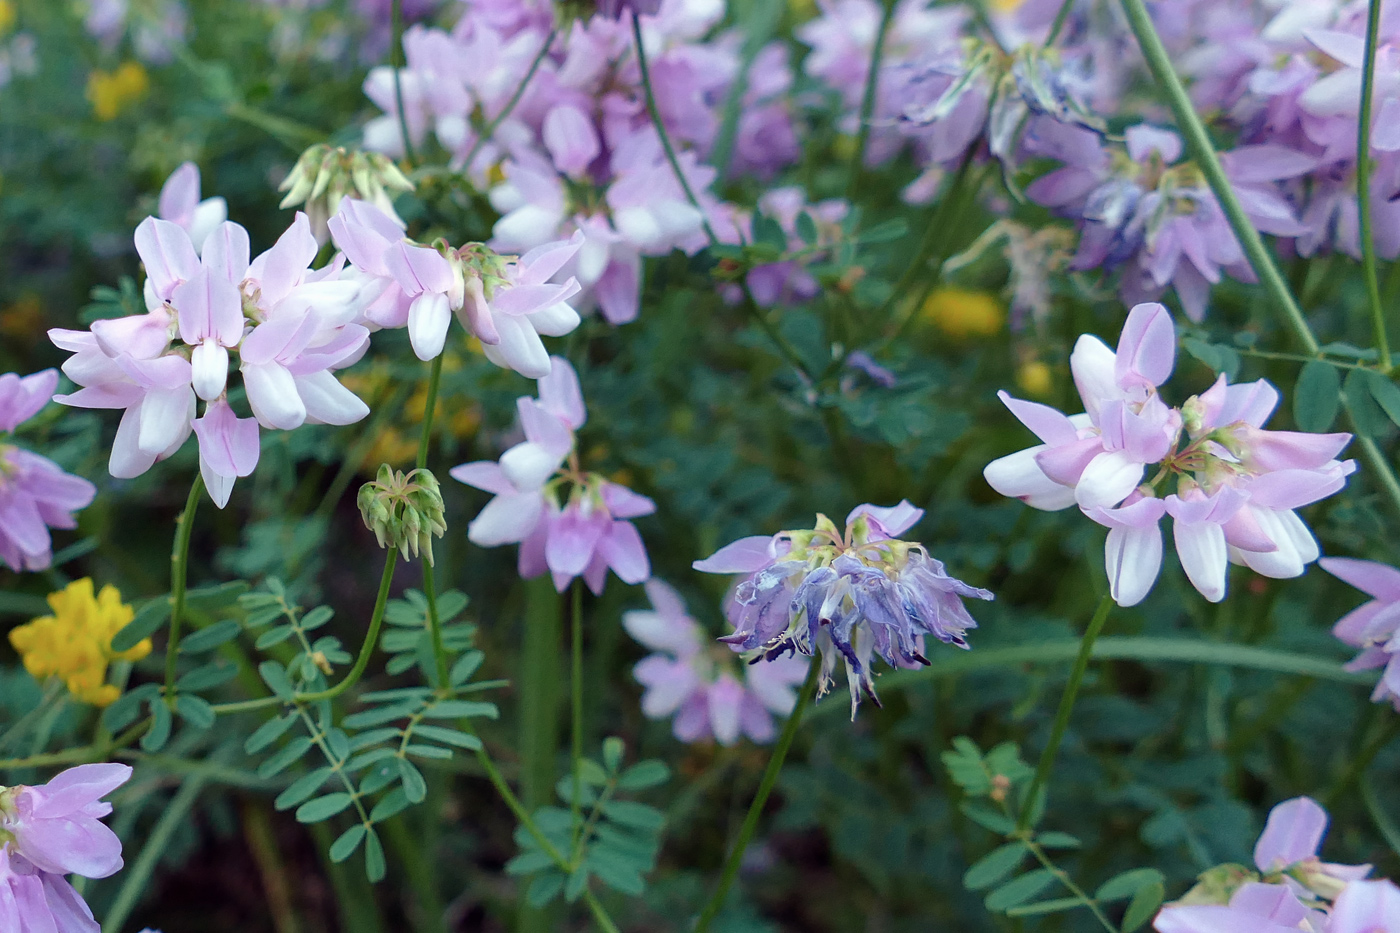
x,y
324,175
405,511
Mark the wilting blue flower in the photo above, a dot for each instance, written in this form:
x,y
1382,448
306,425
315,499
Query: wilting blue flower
x,y
849,597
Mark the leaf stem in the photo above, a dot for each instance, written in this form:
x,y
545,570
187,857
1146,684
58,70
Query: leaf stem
x,y
1363,185
179,571
765,787
386,579
490,129
1064,878
1057,731
867,100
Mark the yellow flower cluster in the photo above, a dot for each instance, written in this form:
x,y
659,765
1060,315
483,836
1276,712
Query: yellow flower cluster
x,y
75,643
961,312
7,16
112,92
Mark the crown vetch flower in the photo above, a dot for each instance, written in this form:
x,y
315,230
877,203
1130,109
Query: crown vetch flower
x,y
848,596
584,532
698,683
1237,486
181,205
291,327
35,493
1373,627
50,831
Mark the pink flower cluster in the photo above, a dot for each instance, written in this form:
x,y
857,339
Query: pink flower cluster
x,y
1237,486
48,832
290,326
505,303
35,493
1373,627
1294,890
584,533
578,151
695,680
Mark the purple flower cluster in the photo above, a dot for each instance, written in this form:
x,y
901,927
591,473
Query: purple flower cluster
x,y
1292,890
577,152
51,831
584,532
848,596
1236,484
156,29
35,494
696,682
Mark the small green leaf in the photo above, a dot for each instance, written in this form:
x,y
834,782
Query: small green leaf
x,y
577,883
1386,394
269,732
316,618
613,750
207,676
159,733
1040,908
414,786
768,232
1019,890
125,708
457,709
987,818
994,866
887,232
148,619
1316,396
644,774
637,815
1127,884
274,636
1143,906
349,841
275,676
1058,841
214,598
391,804
1366,413
374,857
448,737
807,228
323,808
210,637
527,863
292,751
302,788
195,710
544,889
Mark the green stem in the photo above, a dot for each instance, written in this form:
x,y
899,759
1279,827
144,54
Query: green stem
x,y
293,135
1363,186
376,621
765,787
576,689
429,409
490,129
396,61
661,129
1057,731
1203,153
1259,259
1382,819
179,571
429,582
1063,877
1358,764
867,100
1058,25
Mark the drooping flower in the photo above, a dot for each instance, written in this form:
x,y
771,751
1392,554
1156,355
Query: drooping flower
x,y
504,301
1237,486
1373,626
582,532
75,643
847,596
35,493
699,683
291,327
50,831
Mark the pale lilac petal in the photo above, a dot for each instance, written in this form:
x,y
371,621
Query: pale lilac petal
x,y
624,503
724,699
485,475
529,465
506,519
1019,476
520,348
668,683
891,521
1366,907
1108,479
1147,347
167,253
228,443
208,370
561,395
327,401
225,254
1133,558
1048,424
165,418
180,195
1092,364
569,136
743,556
622,547
1375,579
573,537
1204,557
1293,833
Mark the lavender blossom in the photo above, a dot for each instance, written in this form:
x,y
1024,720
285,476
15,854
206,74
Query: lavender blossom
x,y
848,597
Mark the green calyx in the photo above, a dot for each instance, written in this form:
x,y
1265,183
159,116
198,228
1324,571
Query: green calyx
x,y
404,510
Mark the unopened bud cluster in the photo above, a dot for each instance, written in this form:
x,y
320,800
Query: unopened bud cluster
x,y
325,175
404,511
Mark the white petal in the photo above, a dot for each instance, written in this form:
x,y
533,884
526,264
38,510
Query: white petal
x,y
1133,558
1018,476
1204,557
428,319
1107,480
506,519
272,394
529,466
327,401
209,364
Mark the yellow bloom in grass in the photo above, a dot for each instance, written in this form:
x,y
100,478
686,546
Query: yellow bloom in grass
x,y
1006,6
7,16
961,312
75,643
112,92
1035,378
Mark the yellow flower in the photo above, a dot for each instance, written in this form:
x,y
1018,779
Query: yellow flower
x,y
1035,379
112,92
7,16
960,312
1005,7
75,643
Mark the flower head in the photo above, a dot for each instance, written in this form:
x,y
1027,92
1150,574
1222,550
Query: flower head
x,y
848,596
326,175
701,684
1236,484
35,494
1373,627
75,643
180,204
568,523
404,511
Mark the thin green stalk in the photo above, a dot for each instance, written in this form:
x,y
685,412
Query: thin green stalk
x,y
429,409
293,135
1058,25
1383,822
867,100
262,845
179,571
765,787
1363,186
429,582
1203,153
1057,731
576,689
1063,877
1387,732
139,872
661,129
396,61
490,129
356,671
